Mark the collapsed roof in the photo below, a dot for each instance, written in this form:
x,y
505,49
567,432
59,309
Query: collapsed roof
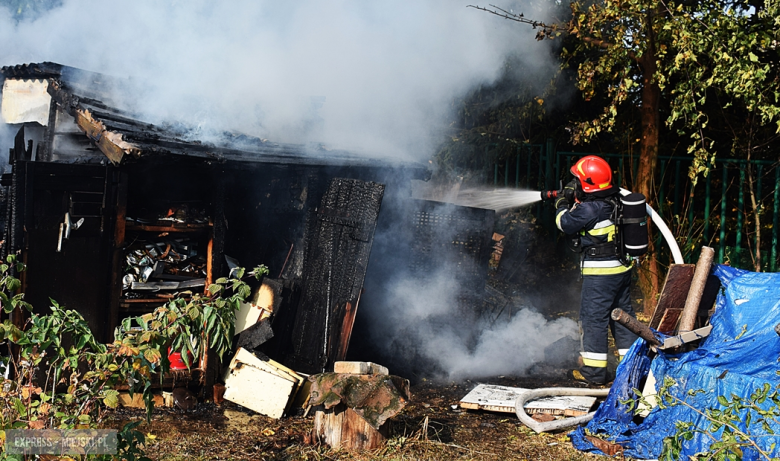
x,y
120,135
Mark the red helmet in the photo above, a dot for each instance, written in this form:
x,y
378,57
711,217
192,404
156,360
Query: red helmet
x,y
593,172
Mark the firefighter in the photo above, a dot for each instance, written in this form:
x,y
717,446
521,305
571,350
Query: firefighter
x,y
585,210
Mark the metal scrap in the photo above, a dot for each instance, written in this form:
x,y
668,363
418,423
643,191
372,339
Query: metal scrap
x,y
163,263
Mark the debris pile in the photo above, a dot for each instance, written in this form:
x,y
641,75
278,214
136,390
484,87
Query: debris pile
x,y
165,264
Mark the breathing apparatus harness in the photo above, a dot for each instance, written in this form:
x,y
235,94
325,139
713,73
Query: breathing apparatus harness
x,y
630,241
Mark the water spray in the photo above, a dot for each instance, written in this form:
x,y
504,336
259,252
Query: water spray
x,y
497,199
504,199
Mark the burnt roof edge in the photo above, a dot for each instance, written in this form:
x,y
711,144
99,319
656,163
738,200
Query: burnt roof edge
x,y
110,143
115,144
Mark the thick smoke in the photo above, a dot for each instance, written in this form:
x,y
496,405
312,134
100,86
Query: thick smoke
x,y
7,134
376,77
427,328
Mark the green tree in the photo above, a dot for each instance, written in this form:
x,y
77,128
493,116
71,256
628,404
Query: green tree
x,y
723,87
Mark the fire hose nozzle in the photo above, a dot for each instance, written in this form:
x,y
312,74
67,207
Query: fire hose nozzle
x,y
551,194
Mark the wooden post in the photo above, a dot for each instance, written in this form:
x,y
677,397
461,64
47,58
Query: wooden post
x,y
635,326
342,427
691,309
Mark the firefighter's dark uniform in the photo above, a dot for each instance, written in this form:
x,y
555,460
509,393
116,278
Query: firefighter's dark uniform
x,y
605,284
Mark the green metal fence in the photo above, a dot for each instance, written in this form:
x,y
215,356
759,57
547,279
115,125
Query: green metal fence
x,y
716,212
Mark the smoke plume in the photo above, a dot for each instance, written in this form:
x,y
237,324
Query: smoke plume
x,y
425,312
376,77
427,329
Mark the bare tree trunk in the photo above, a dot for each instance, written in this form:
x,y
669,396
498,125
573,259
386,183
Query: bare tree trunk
x,y
648,160
649,277
756,211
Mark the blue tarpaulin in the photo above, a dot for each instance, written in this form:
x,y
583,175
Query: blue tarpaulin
x,y
739,356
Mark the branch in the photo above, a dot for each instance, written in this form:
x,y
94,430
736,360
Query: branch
x,y
606,45
547,29
725,423
599,43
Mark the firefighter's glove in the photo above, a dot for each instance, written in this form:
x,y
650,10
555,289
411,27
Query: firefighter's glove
x,y
569,191
562,202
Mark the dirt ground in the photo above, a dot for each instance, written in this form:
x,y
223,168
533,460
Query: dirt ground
x,y
230,432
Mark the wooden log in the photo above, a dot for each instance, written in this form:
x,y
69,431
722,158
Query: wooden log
x,y
635,326
700,275
341,427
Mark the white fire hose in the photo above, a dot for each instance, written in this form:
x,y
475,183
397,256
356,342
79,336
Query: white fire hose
x,y
549,426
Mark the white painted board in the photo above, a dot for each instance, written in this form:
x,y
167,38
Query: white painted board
x,y
260,385
502,399
686,337
260,307
25,101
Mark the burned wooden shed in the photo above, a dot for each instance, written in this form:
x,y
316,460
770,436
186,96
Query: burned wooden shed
x,y
112,214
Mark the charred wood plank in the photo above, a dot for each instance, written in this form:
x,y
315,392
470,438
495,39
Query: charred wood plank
x,y
110,143
338,245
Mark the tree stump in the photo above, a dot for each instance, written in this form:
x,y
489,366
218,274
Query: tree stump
x,y
342,427
351,410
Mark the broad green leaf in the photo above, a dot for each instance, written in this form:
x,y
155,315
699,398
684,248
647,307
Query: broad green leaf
x,y
111,398
152,355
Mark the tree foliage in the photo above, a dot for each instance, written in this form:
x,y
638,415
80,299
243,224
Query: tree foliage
x,y
732,428
722,51
686,51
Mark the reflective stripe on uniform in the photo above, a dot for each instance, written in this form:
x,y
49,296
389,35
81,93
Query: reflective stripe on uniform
x,y
611,263
622,352
605,270
558,220
608,231
603,267
594,359
601,228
